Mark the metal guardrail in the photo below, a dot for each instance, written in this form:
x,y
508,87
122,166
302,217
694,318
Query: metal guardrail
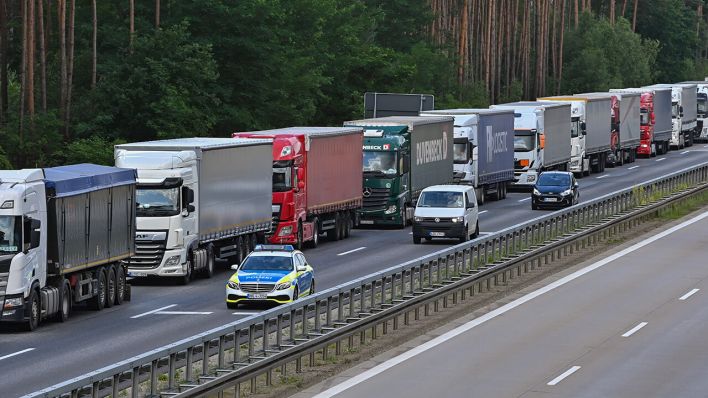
x,y
242,350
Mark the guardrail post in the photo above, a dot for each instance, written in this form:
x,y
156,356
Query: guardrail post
x,y
205,358
171,376
153,377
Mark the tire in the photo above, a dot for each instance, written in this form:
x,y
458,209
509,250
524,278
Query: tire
x,y
416,240
296,293
504,190
312,288
98,302
475,234
208,271
498,192
298,242
111,287
315,234
232,306
466,235
480,198
534,206
185,279
348,225
428,239
334,233
120,285
404,222
34,311
64,303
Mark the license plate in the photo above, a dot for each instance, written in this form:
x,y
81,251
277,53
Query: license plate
x,y
437,234
366,222
257,296
551,199
137,274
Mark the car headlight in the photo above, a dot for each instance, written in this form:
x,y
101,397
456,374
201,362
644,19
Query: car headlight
x,y
567,192
417,219
283,285
174,260
287,230
232,285
391,209
456,219
536,192
14,302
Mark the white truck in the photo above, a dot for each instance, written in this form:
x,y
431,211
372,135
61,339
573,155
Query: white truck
x,y
541,139
63,233
701,132
591,130
483,148
198,199
683,113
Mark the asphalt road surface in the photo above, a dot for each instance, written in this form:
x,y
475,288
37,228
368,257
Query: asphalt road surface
x,y
161,312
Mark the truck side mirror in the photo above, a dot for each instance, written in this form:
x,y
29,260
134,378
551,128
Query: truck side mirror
x,y
541,141
300,174
187,197
582,127
681,111
191,208
300,185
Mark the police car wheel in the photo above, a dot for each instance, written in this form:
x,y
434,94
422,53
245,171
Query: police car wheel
x,y
312,287
232,306
296,293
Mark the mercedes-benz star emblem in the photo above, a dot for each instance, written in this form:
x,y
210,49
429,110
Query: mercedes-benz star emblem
x,y
367,192
437,219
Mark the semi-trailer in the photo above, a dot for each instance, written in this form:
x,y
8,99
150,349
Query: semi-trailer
x,y
683,113
316,174
483,149
591,132
197,200
655,119
402,156
63,233
701,132
542,132
625,125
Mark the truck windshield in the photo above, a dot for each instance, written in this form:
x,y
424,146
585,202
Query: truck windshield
x,y
157,202
524,141
460,152
10,234
265,263
575,127
644,117
378,162
702,107
441,199
675,110
282,179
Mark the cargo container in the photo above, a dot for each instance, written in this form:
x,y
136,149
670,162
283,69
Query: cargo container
x,y
542,132
701,131
655,118
402,156
63,233
395,104
483,149
316,182
625,121
683,113
198,199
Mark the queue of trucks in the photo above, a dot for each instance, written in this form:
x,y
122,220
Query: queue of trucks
x,y
73,235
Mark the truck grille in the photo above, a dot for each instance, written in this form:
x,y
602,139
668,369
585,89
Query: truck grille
x,y
274,224
3,283
257,287
149,250
375,198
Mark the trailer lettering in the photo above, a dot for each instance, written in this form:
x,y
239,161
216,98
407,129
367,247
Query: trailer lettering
x,y
496,143
432,150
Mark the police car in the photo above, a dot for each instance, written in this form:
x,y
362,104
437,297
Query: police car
x,y
271,273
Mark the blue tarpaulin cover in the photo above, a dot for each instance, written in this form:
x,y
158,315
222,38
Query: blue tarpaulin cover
x,y
81,178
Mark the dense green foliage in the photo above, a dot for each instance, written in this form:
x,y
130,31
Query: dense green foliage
x,y
218,66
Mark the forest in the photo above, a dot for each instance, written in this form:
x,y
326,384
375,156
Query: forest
x,y
76,77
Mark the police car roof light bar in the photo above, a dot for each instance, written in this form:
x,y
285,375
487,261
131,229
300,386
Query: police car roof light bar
x,y
286,248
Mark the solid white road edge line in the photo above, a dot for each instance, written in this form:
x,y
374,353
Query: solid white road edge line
x,y
634,329
603,176
352,251
689,294
16,353
524,200
684,152
153,311
245,313
499,311
481,212
632,168
660,159
183,313
563,375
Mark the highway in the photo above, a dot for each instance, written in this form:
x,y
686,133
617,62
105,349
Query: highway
x,y
632,325
161,313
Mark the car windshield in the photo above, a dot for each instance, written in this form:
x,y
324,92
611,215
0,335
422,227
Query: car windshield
x,y
154,202
267,263
10,234
282,179
644,117
524,141
555,180
378,162
441,199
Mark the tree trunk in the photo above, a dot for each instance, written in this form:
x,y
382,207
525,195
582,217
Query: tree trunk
x,y
132,22
31,45
4,52
634,16
23,71
42,53
624,8
576,14
70,66
612,12
94,44
61,18
560,56
157,14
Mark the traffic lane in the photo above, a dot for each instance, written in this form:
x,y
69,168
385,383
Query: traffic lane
x,y
391,247
531,345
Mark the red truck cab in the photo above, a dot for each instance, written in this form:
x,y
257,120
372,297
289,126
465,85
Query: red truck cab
x,y
646,118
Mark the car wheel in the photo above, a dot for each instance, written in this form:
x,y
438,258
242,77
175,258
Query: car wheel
x,y
475,234
296,293
312,288
534,206
232,306
416,240
466,235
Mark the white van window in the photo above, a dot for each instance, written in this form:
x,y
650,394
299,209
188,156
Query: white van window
x,y
441,199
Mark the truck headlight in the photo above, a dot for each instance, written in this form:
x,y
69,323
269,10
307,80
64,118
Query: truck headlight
x,y
536,192
567,192
457,219
283,285
174,260
531,178
232,285
391,209
13,302
417,219
286,231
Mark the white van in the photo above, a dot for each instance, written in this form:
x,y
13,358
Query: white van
x,y
446,211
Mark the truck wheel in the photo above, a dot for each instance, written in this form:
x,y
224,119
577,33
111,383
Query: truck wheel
x,y
64,302
34,311
348,224
120,285
98,301
111,288
480,196
497,192
416,240
298,244
315,234
209,269
334,233
186,278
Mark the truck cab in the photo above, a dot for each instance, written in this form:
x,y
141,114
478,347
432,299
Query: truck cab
x,y
702,106
166,221
677,137
647,146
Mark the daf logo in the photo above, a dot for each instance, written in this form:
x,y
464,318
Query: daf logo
x,y
143,236
367,192
437,219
